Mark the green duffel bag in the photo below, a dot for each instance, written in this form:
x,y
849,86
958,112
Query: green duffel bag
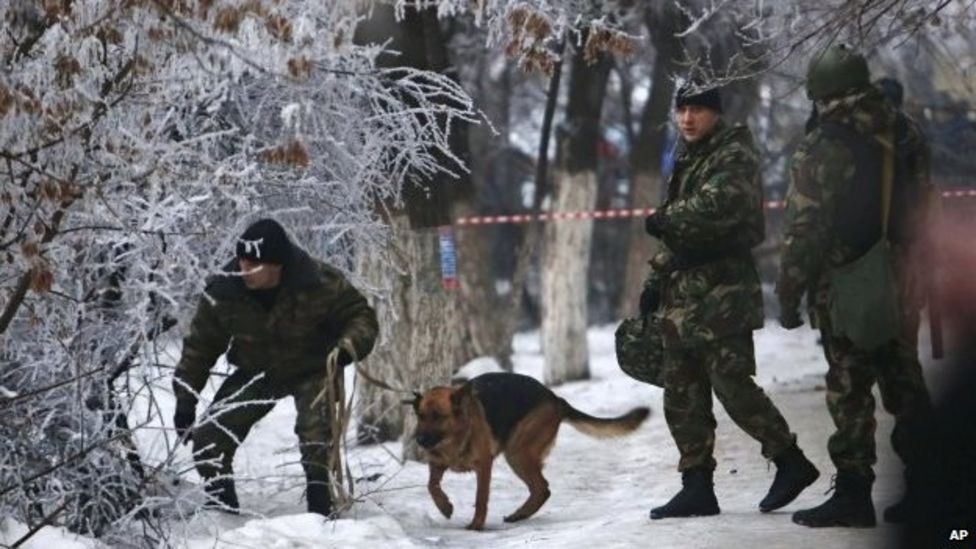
x,y
863,299
640,351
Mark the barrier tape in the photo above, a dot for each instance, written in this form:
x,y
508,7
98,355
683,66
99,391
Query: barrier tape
x,y
623,213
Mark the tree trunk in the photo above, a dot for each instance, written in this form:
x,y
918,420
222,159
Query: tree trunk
x,y
486,331
567,243
645,160
434,320
424,324
418,349
564,281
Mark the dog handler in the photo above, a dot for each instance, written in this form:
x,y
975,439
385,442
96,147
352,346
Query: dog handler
x,y
282,313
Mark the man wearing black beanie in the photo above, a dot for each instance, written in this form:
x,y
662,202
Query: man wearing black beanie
x,y
705,292
281,313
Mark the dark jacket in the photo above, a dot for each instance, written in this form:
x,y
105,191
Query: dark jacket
x,y
315,307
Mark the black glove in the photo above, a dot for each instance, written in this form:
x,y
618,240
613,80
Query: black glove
x,y
654,224
183,419
790,319
650,299
345,358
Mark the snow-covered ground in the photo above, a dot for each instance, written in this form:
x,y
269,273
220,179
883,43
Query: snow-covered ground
x,y
601,489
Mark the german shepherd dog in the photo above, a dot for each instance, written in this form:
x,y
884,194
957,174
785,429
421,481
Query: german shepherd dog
x,y
464,428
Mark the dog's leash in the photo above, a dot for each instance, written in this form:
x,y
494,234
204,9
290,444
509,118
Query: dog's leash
x,y
331,366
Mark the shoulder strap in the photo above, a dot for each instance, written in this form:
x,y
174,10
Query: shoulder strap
x,y
887,141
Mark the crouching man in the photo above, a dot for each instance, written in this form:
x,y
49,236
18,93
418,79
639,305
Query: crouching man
x,y
281,313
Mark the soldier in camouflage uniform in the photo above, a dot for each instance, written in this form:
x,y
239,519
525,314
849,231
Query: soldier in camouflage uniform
x,y
834,166
915,263
705,292
281,313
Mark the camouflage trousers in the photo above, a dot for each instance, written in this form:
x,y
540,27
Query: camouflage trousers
x,y
240,402
851,376
726,366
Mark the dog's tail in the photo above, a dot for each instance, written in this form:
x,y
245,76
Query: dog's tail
x,y
603,427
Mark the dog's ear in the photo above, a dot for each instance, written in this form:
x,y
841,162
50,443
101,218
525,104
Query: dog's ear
x,y
460,398
414,402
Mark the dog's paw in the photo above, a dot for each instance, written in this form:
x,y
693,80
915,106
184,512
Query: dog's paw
x,y
515,517
476,525
445,508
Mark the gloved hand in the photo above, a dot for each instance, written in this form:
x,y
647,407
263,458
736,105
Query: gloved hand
x,y
649,301
790,319
341,355
654,223
183,419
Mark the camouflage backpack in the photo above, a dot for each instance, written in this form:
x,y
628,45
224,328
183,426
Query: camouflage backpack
x,y
640,350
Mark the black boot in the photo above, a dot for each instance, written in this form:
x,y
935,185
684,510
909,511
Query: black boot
x,y
222,495
696,498
319,498
794,472
901,512
850,505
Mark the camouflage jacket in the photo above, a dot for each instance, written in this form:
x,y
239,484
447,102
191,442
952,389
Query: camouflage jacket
x,y
315,307
822,176
712,219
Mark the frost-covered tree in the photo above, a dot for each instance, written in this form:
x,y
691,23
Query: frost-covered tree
x,y
137,139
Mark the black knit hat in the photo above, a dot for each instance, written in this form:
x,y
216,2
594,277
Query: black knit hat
x,y
705,98
265,241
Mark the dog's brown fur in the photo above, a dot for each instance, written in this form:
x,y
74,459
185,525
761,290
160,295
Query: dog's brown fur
x,y
455,431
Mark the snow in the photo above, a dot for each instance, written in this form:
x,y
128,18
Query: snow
x,y
601,489
48,537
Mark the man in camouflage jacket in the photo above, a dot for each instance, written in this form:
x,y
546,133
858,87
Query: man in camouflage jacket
x,y
837,162
706,293
281,313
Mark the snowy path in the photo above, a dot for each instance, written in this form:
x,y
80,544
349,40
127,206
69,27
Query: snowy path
x,y
601,489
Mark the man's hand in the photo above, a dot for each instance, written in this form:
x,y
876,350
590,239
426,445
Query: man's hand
x,y
343,354
183,419
649,301
790,318
654,223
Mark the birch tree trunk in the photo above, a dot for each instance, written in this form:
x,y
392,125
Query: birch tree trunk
x,y
564,281
567,243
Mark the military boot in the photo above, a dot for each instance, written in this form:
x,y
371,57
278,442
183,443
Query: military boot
x,y
898,513
901,512
850,505
696,498
794,472
319,497
222,495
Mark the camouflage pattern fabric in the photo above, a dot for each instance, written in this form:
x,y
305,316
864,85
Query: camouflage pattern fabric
x,y
821,170
315,307
640,352
240,402
726,366
712,219
851,375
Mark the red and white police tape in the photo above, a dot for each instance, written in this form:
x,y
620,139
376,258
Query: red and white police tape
x,y
622,213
